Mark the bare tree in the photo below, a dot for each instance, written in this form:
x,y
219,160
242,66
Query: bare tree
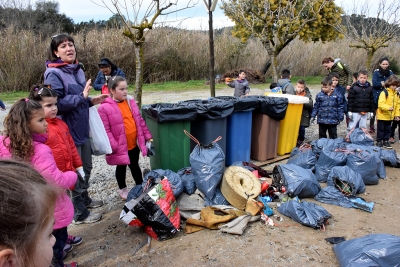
x,y
371,30
139,17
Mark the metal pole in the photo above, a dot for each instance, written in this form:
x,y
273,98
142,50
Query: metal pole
x,y
211,41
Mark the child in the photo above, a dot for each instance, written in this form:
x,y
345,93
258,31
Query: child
x,y
27,208
24,139
127,132
360,102
63,147
241,85
302,90
284,82
329,109
379,76
388,110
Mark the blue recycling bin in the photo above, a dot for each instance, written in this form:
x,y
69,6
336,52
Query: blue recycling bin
x,y
239,125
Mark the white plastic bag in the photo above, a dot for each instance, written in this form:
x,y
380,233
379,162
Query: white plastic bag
x,y
97,134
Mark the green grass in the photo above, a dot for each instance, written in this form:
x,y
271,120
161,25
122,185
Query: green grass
x,y
170,86
179,86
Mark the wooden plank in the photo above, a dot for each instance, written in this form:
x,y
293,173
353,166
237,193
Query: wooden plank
x,y
278,158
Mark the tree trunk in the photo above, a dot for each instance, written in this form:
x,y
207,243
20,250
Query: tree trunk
x,y
211,43
370,54
266,67
139,70
275,73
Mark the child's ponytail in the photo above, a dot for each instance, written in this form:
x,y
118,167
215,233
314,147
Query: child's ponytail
x,y
18,135
38,92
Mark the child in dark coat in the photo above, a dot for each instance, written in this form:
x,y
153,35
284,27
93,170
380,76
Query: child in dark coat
x,y
329,109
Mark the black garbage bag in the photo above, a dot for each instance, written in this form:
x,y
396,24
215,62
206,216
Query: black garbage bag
x,y
360,136
241,103
346,180
297,181
155,209
163,112
173,178
210,109
390,158
306,160
274,107
364,163
306,213
187,177
331,195
377,151
380,250
327,144
326,161
208,164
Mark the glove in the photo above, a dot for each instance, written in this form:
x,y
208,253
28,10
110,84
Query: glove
x,y
350,115
312,121
81,173
369,115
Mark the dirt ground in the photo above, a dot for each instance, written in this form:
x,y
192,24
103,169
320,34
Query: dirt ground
x,y
112,243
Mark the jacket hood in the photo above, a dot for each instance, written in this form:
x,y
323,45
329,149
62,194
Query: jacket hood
x,y
283,81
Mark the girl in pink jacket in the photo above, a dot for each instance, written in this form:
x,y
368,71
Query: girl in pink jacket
x,y
127,131
25,135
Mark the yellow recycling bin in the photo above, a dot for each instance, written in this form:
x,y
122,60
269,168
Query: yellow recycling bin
x,y
289,126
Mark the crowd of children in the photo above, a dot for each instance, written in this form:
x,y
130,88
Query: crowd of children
x,y
358,102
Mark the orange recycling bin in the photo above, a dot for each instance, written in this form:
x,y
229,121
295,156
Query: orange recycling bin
x,y
289,126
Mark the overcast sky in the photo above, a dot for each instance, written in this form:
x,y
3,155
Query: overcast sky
x,y
193,18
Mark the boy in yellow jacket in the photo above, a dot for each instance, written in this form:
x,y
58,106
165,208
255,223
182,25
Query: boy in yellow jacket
x,y
388,110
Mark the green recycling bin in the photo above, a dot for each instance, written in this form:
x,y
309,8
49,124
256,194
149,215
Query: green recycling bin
x,y
166,123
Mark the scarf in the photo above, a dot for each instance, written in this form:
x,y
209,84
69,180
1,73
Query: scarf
x,y
385,73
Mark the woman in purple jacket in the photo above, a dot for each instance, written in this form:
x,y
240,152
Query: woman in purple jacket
x,y
127,132
65,76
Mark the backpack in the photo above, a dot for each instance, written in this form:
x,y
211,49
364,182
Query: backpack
x,y
283,87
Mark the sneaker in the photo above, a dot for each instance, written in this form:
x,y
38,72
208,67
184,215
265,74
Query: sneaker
x,y
387,145
72,264
74,240
95,204
379,144
68,248
123,193
391,140
92,218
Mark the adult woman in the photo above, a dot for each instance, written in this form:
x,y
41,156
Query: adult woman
x,y
107,69
67,79
379,77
